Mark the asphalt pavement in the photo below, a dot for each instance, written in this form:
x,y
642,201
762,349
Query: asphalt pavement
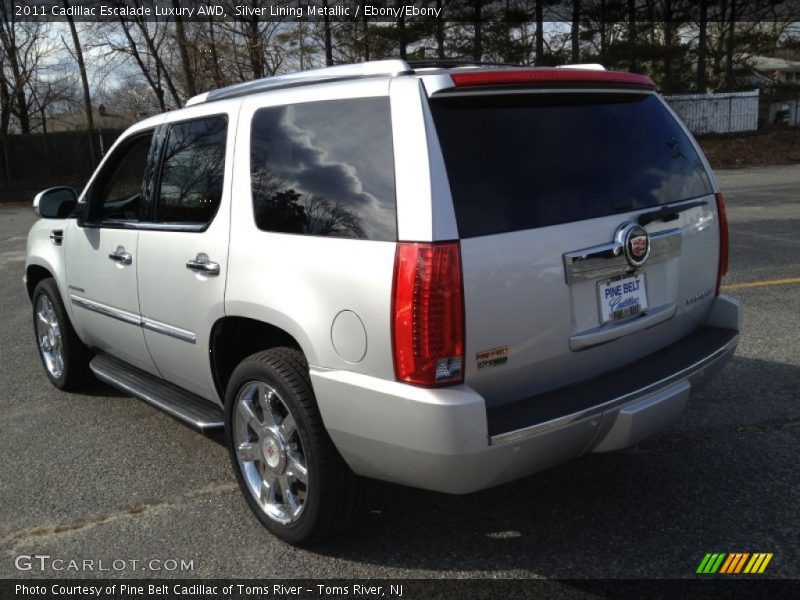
x,y
101,476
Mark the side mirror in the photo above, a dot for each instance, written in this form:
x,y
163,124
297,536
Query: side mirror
x,y
55,203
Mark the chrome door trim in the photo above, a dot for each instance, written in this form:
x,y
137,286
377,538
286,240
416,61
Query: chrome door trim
x,y
170,330
607,260
114,313
134,319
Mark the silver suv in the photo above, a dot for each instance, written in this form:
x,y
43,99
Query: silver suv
x,y
447,278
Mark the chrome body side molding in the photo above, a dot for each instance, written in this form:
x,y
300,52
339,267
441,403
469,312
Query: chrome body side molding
x,y
108,311
134,319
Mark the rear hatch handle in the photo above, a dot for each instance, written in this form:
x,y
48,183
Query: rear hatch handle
x,y
668,213
611,331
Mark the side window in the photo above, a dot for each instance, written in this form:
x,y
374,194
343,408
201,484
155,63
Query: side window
x,y
325,168
117,192
192,171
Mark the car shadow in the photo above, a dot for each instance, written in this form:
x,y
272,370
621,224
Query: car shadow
x,y
710,482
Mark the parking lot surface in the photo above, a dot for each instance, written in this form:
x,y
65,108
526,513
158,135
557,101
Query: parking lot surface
x,y
102,476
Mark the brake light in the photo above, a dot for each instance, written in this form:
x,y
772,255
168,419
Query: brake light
x,y
545,76
428,314
723,238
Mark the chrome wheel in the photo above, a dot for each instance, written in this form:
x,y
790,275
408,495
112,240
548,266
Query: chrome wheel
x,y
269,452
48,333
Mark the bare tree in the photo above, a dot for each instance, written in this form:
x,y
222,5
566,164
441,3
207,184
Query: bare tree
x,y
22,50
183,50
702,47
576,30
87,99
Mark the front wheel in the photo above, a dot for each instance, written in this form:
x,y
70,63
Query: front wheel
x,y
64,357
288,469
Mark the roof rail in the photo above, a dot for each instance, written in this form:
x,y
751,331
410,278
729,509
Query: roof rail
x,y
337,73
584,66
451,63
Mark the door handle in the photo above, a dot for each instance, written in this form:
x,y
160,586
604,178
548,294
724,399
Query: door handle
x,y
201,264
119,255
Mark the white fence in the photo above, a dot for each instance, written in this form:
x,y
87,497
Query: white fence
x,y
717,113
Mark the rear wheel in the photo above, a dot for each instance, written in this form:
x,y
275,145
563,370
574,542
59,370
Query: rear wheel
x,y
288,469
64,357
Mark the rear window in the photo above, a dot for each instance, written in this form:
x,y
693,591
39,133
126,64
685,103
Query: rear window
x,y
325,169
533,160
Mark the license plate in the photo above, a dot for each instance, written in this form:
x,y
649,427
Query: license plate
x,y
621,298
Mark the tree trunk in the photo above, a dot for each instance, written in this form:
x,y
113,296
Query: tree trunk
x,y
539,32
477,42
668,42
5,103
254,48
730,82
439,31
702,48
326,32
188,75
401,34
575,34
365,34
602,28
87,98
214,55
633,64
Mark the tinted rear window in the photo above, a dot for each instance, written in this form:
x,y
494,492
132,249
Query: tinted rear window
x,y
325,168
536,160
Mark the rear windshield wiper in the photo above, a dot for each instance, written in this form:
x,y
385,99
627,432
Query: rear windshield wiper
x,y
668,213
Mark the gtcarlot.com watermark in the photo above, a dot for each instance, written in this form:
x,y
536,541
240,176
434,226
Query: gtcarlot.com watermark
x,y
47,563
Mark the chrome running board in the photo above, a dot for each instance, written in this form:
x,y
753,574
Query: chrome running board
x,y
193,410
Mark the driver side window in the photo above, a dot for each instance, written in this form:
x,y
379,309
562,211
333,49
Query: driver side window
x,y
118,192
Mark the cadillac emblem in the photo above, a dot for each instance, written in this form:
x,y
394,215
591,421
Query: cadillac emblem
x,y
635,243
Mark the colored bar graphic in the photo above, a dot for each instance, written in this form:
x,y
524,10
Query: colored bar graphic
x,y
754,563
729,562
765,563
711,562
703,563
733,563
741,562
718,562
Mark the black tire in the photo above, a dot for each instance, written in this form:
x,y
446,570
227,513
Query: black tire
x,y
334,495
75,354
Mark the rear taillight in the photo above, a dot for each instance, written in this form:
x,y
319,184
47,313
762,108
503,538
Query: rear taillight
x,y
723,238
428,314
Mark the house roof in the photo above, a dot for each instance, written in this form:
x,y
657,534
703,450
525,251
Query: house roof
x,y
768,63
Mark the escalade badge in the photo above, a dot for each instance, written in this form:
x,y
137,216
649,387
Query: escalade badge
x,y
635,243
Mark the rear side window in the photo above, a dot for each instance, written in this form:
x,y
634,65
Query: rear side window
x,y
325,168
535,160
192,171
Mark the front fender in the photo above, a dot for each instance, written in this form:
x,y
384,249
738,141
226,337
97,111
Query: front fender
x,y
44,252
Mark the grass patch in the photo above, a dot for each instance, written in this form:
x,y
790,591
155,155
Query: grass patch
x,y
773,145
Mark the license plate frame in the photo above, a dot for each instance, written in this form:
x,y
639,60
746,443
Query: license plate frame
x,y
621,291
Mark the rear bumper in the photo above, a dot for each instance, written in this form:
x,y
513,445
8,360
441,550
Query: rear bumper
x,y
444,439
